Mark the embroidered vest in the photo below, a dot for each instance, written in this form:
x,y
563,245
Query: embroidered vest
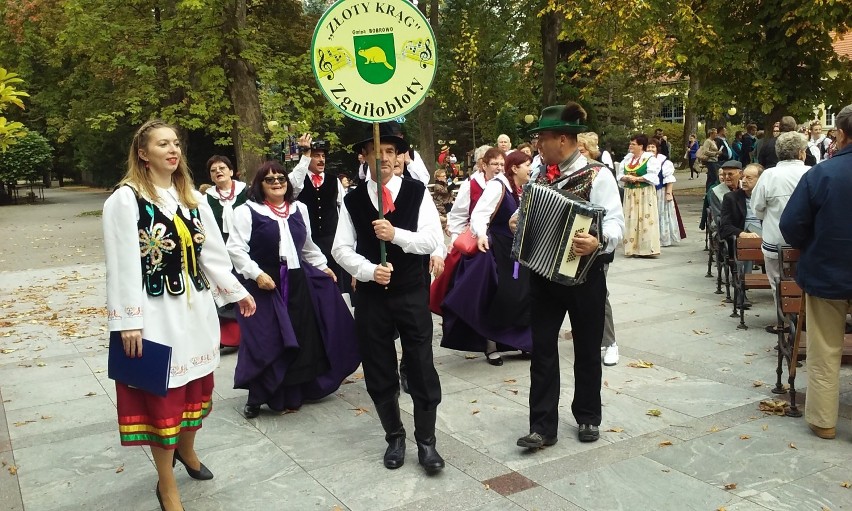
x,y
639,169
162,253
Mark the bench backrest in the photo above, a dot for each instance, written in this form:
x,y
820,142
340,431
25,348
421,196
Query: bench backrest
x,y
748,249
789,259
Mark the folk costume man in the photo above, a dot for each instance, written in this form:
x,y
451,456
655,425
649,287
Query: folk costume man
x,y
558,128
323,195
394,297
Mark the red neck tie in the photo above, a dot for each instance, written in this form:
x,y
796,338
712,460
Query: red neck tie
x,y
387,201
552,172
317,180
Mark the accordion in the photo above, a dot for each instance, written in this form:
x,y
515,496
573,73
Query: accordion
x,y
548,219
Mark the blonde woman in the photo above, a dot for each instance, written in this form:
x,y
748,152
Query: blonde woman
x,y
640,174
166,264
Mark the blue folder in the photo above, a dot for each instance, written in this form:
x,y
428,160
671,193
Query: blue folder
x,y
149,372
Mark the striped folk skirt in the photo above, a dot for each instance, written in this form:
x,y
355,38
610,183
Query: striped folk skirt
x,y
148,419
641,221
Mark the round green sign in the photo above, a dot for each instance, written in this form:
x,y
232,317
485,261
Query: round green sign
x,y
374,60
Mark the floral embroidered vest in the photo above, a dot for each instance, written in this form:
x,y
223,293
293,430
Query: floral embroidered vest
x,y
166,260
640,168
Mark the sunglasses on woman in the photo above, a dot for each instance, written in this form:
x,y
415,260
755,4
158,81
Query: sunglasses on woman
x,y
271,180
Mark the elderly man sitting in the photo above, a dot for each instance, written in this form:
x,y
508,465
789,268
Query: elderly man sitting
x,y
737,217
770,197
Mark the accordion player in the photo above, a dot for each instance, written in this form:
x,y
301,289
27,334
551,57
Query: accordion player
x,y
548,220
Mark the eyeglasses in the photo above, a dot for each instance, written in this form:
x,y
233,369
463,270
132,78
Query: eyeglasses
x,y
272,180
223,168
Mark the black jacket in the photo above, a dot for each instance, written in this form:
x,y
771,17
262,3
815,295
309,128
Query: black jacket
x,y
733,214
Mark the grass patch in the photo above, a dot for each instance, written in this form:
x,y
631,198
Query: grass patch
x,y
96,212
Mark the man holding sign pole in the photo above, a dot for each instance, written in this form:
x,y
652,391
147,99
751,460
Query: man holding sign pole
x,y
393,297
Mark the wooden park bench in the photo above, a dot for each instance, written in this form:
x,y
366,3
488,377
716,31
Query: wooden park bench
x,y
748,250
792,340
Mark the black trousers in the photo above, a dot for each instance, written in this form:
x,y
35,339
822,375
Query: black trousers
x,y
378,318
584,304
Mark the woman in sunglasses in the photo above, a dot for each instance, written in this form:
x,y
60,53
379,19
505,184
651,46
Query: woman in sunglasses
x,y
293,349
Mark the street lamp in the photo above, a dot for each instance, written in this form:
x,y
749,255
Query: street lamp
x,y
272,125
529,118
732,111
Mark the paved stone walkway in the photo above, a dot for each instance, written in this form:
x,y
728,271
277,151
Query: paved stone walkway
x,y
709,448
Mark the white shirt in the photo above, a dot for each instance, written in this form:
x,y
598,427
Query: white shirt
x,y
418,169
814,147
606,159
426,240
668,169
301,170
459,217
227,205
652,176
770,197
480,218
238,242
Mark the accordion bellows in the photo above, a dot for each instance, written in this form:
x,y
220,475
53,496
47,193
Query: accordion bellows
x,y
548,220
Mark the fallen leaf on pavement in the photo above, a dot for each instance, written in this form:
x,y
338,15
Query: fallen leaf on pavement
x,y
757,383
471,356
654,412
359,411
765,427
510,380
793,446
119,469
606,383
846,484
641,364
6,351
13,469
714,429
358,376
22,423
666,443
347,381
615,430
474,401
744,437
750,354
731,486
474,412
41,364
699,332
46,417
773,406
513,391
90,394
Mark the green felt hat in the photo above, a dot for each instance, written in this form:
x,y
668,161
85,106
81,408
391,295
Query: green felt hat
x,y
555,118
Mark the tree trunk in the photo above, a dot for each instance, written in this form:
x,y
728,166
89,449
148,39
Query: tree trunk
x,y
551,24
426,111
690,116
248,133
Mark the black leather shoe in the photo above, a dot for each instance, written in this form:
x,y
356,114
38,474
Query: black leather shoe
x,y
588,433
429,457
251,411
536,441
494,358
395,453
202,474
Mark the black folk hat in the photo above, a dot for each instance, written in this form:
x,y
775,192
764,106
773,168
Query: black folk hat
x,y
389,132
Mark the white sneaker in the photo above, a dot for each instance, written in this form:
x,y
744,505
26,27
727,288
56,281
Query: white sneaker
x,y
611,355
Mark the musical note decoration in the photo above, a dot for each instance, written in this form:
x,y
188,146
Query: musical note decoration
x,y
419,50
332,59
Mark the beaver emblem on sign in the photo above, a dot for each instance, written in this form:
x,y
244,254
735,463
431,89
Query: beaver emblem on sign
x,y
376,61
375,55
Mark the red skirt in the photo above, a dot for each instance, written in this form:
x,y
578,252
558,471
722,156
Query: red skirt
x,y
148,419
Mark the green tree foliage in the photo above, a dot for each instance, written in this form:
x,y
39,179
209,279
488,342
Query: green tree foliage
x,y
28,159
10,131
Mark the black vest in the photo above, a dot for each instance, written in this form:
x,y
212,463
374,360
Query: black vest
x,y
407,268
322,205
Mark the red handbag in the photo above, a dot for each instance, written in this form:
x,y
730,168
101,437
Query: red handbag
x,y
466,242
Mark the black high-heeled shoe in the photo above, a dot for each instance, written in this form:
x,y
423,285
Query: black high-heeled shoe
x,y
202,474
160,498
492,359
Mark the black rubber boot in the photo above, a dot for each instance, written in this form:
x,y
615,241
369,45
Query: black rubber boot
x,y
394,434
424,433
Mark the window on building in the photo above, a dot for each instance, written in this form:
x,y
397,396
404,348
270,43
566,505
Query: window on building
x,y
671,108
